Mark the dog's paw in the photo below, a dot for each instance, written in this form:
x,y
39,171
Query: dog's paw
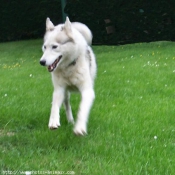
x,y
54,123
80,129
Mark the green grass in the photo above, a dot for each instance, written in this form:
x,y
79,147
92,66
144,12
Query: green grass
x,y
131,128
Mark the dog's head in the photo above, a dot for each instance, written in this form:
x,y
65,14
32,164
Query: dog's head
x,y
57,41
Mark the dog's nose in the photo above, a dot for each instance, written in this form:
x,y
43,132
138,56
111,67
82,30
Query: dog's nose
x,y
43,62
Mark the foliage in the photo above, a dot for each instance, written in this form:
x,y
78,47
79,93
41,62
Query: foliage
x,y
26,19
134,21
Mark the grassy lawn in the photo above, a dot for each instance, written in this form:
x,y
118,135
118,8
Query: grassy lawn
x,y
132,123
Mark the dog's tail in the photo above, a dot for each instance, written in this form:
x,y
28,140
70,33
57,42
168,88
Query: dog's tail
x,y
84,30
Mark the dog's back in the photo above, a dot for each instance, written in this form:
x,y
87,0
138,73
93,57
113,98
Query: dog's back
x,y
84,30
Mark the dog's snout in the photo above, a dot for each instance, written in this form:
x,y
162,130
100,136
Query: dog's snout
x,y
43,62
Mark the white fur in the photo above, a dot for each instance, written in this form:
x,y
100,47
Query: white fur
x,y
76,70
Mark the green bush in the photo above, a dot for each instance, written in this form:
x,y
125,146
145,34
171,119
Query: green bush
x,y
26,19
131,21
134,21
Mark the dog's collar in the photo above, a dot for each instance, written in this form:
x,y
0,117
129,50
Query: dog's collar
x,y
73,63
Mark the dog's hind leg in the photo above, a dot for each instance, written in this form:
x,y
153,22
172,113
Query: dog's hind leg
x,y
68,108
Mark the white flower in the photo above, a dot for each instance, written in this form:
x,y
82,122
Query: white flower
x,y
30,75
5,95
155,137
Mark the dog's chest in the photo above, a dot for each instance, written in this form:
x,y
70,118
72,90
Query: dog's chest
x,y
71,78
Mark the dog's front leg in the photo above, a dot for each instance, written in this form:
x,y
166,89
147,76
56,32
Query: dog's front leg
x,y
58,97
85,106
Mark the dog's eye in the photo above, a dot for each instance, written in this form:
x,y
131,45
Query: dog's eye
x,y
54,46
44,47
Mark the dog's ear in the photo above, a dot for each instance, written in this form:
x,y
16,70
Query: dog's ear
x,y
49,25
68,28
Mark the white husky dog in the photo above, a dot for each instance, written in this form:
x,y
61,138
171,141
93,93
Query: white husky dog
x,y
71,61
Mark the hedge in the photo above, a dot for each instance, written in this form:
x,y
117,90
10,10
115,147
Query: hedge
x,y
111,22
25,19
